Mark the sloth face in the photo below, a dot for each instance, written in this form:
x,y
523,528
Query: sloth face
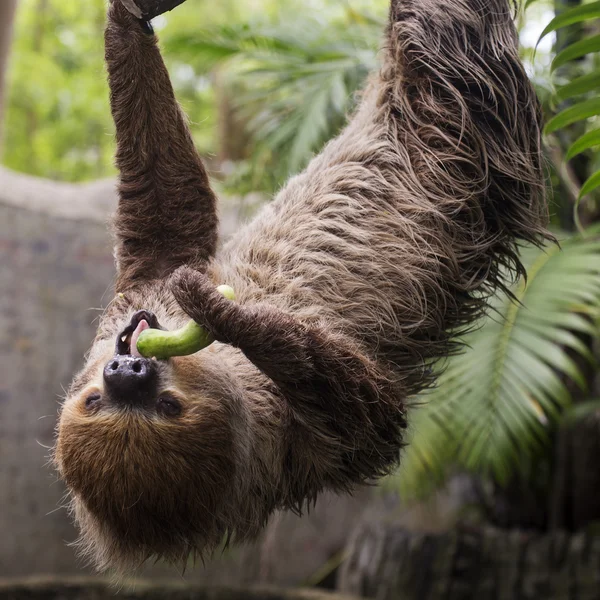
x,y
146,447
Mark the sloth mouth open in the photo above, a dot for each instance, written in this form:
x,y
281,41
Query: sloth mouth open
x,y
127,339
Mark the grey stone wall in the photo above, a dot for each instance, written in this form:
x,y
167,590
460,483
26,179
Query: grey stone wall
x,y
54,274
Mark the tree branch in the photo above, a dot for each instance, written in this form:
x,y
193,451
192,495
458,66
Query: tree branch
x,y
148,9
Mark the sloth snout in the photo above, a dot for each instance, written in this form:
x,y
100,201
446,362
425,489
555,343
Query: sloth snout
x,y
130,380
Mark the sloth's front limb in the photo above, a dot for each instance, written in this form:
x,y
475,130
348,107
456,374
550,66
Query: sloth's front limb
x,y
347,410
166,215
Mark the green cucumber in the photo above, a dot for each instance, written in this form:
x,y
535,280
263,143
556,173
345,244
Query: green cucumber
x,y
191,338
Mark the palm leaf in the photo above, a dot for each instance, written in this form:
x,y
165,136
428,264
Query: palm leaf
x,y
576,50
580,85
591,183
295,80
571,16
497,401
586,141
573,114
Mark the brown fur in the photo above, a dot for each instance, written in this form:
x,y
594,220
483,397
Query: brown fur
x,y
350,285
166,212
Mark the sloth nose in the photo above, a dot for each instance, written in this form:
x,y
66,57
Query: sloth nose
x,y
130,379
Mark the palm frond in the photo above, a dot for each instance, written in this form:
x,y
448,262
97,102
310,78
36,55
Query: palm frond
x,y
582,92
571,16
295,80
497,402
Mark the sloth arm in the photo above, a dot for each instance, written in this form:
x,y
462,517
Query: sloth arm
x,y
167,210
348,410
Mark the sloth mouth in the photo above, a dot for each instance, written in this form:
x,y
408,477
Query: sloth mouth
x,y
127,339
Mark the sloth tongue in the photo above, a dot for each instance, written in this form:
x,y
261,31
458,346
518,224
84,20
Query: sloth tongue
x,y
142,325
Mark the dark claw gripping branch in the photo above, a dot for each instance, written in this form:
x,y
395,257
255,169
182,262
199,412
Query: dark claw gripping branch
x,y
148,9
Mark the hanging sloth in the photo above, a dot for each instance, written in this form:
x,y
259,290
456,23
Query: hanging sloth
x,y
349,287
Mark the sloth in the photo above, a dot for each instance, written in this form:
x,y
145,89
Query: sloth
x,y
352,286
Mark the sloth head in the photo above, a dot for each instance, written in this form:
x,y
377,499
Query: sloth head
x,y
150,450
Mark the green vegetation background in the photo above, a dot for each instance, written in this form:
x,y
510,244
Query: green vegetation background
x,y
58,123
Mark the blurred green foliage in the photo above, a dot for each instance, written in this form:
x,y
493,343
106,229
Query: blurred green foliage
x,y
292,80
265,83
58,123
524,371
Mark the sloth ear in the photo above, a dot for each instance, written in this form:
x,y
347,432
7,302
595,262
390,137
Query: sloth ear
x,y
167,211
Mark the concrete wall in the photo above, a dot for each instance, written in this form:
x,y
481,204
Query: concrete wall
x,y
56,272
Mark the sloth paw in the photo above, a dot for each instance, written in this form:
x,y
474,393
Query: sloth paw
x,y
199,298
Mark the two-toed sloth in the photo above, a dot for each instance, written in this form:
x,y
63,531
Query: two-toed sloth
x,y
350,285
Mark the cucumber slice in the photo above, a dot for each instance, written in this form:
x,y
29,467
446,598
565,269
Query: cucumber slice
x,y
191,338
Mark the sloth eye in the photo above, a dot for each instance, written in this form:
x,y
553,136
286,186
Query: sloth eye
x,y
168,406
93,400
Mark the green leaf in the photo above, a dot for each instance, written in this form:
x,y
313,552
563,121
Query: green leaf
x,y
580,85
293,81
572,16
578,112
576,50
590,185
497,403
586,141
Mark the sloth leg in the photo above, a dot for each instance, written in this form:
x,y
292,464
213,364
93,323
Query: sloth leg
x,y
167,210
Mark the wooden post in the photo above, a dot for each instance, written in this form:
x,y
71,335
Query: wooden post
x,y
148,9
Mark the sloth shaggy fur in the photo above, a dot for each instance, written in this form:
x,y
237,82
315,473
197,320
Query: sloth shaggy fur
x,y
350,286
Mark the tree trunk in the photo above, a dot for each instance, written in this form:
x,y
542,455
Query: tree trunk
x,y
389,563
84,588
233,137
576,494
7,17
